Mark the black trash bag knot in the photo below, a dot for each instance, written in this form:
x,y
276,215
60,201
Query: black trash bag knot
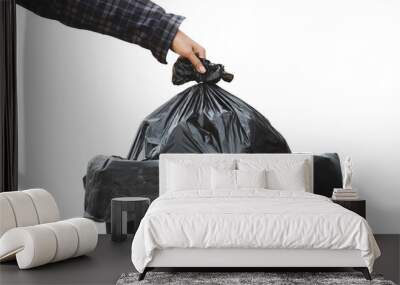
x,y
183,71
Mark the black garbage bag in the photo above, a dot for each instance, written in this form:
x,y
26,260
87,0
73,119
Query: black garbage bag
x,y
205,118
108,177
327,173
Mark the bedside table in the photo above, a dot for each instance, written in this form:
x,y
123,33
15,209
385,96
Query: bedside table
x,y
119,210
357,206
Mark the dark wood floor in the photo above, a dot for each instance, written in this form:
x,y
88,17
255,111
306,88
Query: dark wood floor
x,y
110,260
102,266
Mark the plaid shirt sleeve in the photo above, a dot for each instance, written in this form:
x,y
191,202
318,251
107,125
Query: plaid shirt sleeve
x,y
137,21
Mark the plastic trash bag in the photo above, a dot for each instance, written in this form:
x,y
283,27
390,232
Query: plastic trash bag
x,y
327,173
205,118
108,177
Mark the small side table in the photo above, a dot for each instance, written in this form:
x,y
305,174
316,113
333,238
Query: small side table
x,y
119,209
357,206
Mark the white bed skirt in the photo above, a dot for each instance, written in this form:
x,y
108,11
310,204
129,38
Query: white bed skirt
x,y
235,257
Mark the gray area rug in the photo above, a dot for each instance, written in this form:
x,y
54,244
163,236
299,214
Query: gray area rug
x,y
269,278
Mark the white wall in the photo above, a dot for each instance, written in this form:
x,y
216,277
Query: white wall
x,y
326,73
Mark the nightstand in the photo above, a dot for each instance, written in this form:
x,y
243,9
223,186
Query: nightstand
x,y
119,210
357,206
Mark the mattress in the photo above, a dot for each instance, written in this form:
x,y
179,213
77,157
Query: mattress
x,y
250,219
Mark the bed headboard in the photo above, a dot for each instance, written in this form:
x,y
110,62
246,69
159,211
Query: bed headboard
x,y
165,159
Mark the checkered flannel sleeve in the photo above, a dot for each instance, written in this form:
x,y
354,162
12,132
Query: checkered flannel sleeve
x,y
137,21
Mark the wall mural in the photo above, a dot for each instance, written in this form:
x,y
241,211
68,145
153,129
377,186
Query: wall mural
x,y
203,118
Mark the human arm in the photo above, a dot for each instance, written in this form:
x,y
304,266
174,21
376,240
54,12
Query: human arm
x,y
141,22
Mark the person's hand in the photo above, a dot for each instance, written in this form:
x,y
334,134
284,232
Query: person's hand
x,y
188,48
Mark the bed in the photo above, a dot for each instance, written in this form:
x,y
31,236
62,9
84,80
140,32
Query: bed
x,y
247,210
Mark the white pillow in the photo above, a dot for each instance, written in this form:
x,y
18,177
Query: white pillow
x,y
251,178
291,178
223,179
281,174
226,179
181,177
185,175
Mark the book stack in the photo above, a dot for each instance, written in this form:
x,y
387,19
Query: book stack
x,y
344,194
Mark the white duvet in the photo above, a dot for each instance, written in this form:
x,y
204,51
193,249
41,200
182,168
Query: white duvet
x,y
250,219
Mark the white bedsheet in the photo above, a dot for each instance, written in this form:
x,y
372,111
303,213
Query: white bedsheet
x,y
250,219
